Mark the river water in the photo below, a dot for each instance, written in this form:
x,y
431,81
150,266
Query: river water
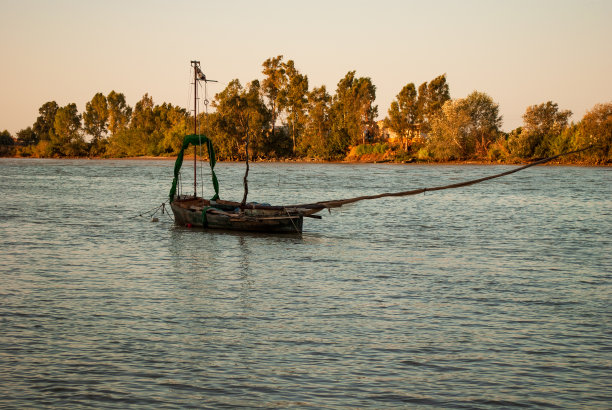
x,y
494,295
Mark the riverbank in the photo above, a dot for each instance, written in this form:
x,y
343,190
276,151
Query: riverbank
x,y
366,159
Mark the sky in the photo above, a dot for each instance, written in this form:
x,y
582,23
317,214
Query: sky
x,y
519,52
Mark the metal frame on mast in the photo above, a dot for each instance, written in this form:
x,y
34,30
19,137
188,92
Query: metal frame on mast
x,y
198,75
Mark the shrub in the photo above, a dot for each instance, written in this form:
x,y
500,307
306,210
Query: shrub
x,y
424,155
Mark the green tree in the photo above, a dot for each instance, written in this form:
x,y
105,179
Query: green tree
x,y
318,124
353,112
6,138
541,124
273,84
485,120
144,123
27,137
431,98
119,113
422,107
172,122
294,100
596,129
143,117
66,137
403,114
142,136
367,111
241,114
256,120
124,143
95,122
45,121
227,135
343,121
449,137
7,143
563,141
437,94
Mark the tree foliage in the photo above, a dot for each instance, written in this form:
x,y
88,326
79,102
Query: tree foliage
x,y
241,113
153,130
318,124
403,114
27,137
6,139
45,121
485,121
172,122
119,113
464,128
273,85
432,97
95,122
596,129
450,136
413,112
66,137
353,112
541,124
7,143
294,101
282,117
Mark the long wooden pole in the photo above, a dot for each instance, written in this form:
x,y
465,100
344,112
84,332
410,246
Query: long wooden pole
x,y
195,124
339,202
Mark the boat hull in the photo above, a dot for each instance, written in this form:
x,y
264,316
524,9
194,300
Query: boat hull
x,y
226,216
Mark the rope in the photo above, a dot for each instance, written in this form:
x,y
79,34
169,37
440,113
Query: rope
x,y
206,98
165,211
151,212
291,219
201,174
200,132
197,109
145,212
188,105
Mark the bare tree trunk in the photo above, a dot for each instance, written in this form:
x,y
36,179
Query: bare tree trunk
x,y
246,174
273,118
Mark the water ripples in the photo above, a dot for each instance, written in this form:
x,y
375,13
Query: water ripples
x,y
496,295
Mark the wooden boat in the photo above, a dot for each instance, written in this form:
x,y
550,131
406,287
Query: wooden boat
x,y
194,211
228,215
214,213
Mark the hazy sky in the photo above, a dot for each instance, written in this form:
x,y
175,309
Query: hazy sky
x,y
519,52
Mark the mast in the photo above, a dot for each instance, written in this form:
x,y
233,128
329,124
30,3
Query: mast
x,y
195,65
198,75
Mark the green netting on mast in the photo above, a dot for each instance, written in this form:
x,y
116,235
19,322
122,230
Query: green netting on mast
x,y
194,139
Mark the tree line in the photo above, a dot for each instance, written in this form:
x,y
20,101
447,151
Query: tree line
x,y
284,118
